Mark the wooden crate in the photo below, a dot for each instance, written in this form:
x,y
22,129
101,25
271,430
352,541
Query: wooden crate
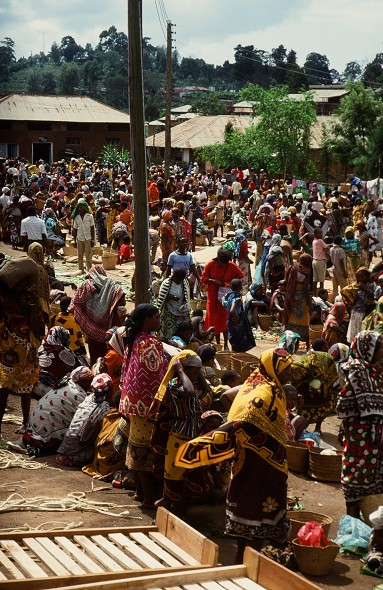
x,y
256,573
38,560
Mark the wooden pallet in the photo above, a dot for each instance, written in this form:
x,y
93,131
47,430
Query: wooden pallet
x,y
38,560
257,573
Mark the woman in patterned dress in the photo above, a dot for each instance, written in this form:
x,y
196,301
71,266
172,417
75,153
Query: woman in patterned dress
x,y
360,406
144,367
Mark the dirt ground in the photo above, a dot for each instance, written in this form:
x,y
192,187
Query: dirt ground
x,y
59,482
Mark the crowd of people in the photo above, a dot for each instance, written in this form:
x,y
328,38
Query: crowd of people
x,y
138,398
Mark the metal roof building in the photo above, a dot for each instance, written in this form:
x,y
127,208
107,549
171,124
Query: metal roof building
x,y
51,127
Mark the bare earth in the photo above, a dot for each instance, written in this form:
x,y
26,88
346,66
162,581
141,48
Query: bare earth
x,y
59,482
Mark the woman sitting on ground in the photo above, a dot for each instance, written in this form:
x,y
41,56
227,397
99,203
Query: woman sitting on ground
x,y
77,446
51,416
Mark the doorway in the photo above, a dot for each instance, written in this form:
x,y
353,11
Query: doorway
x,y
42,151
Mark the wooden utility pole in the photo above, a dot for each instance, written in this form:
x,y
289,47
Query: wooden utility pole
x,y
168,133
138,151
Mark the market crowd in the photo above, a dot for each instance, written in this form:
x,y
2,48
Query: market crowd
x,y
140,399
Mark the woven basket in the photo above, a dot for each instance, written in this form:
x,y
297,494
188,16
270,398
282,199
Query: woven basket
x,y
325,467
297,457
244,363
315,561
54,308
315,331
109,260
369,504
265,322
97,251
299,517
69,251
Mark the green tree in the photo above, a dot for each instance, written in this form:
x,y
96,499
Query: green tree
x,y
55,54
208,105
352,71
34,82
316,68
278,140
7,58
112,40
69,48
48,85
357,117
69,79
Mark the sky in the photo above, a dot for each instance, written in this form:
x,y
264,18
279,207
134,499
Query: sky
x,y
344,30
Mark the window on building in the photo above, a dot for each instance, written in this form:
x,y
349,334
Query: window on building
x,y
73,140
5,124
78,126
118,127
114,141
39,126
9,150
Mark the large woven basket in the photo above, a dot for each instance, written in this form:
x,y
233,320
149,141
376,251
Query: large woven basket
x,y
224,361
369,504
109,260
325,467
299,517
265,322
315,561
244,363
297,457
315,331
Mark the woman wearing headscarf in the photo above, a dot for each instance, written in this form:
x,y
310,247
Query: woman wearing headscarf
x,y
53,230
145,365
22,326
56,359
332,331
95,308
113,360
374,228
340,353
174,302
255,436
36,253
289,341
374,321
297,306
359,298
360,407
77,446
11,223
53,413
176,411
315,377
217,273
275,264
351,246
167,235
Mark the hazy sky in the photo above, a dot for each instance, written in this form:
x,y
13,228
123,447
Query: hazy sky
x,y
344,30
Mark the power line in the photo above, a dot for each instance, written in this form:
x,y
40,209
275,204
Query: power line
x,y
159,20
162,7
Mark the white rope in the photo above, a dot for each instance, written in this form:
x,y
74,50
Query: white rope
x,y
74,501
9,459
12,419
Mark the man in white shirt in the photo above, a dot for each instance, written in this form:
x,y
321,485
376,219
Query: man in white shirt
x,y
33,229
83,234
5,198
236,188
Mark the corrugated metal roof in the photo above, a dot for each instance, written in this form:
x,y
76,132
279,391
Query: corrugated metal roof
x,y
320,95
76,109
204,131
182,109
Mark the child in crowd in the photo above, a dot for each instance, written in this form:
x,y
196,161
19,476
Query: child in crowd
x,y
125,252
198,327
65,319
240,334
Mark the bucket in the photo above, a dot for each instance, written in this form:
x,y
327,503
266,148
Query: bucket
x,y
265,322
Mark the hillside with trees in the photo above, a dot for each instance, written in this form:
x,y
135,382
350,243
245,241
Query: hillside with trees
x,y
101,72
